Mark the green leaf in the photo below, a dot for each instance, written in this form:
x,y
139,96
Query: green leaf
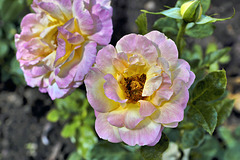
x,y
4,48
207,150
155,152
226,135
10,9
211,47
237,132
192,138
53,115
166,25
210,88
141,22
69,129
74,156
110,151
205,5
72,103
171,13
224,109
86,141
200,31
215,56
232,153
207,19
204,114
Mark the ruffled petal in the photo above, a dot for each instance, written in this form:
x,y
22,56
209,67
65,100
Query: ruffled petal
x,y
132,116
116,117
158,137
138,44
173,110
104,59
146,108
105,130
153,81
94,82
145,134
112,90
168,49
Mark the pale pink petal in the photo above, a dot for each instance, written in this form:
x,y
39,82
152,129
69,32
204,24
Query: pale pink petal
x,y
171,125
138,44
153,81
116,117
146,108
132,116
164,93
83,16
88,52
145,134
55,92
173,110
94,82
182,71
112,89
52,9
191,79
104,59
158,137
105,130
103,24
168,49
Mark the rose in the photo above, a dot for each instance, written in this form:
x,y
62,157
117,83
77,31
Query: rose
x,y
138,89
57,44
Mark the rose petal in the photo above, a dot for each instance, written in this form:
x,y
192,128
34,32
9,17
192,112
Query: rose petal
x,y
116,117
105,130
132,116
167,47
94,82
104,59
112,89
146,108
145,134
153,81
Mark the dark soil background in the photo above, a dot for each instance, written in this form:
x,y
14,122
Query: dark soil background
x,y
25,134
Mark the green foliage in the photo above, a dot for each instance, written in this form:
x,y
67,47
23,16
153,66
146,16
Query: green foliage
x,y
192,137
224,108
171,13
207,19
155,152
141,22
78,117
9,10
200,31
111,151
211,87
166,25
207,150
205,115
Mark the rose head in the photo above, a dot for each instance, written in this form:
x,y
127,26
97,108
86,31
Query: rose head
x,y
57,45
138,88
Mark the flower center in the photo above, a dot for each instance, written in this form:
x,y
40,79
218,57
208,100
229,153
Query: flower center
x,y
133,87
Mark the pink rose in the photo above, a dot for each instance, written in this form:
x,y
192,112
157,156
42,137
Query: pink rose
x,y
138,88
57,45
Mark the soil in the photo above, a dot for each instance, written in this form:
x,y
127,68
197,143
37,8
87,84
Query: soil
x,y
25,134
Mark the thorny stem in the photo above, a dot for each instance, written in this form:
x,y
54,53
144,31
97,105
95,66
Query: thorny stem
x,y
179,36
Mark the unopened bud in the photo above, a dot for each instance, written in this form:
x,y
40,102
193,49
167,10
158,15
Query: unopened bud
x,y
191,11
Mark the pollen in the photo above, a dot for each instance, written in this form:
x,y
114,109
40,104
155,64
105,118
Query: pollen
x,y
133,87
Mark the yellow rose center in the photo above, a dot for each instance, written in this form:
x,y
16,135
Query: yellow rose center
x,y
133,87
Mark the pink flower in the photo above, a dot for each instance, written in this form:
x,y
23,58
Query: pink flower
x,y
57,45
138,88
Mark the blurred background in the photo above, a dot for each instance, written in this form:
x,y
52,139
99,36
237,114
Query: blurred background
x,y
25,133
